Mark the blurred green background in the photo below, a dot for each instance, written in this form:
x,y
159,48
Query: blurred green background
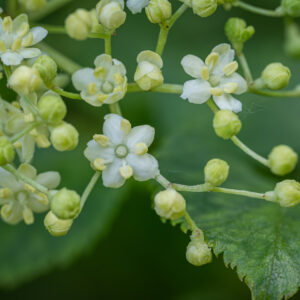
x,y
137,256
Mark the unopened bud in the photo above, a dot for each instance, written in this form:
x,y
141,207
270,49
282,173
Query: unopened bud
x,y
216,171
7,152
291,7
46,67
204,8
64,137
226,124
287,193
159,11
276,76
56,226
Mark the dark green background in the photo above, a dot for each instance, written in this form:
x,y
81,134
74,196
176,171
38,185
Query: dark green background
x,y
141,258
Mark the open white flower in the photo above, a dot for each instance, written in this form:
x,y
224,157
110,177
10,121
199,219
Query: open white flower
x,y
121,152
19,200
106,84
136,6
215,77
16,39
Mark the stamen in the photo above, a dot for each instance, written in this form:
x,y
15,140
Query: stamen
x,y
140,149
23,30
216,91
16,44
126,172
99,164
230,68
27,40
118,78
231,87
28,216
42,141
101,139
6,211
7,24
205,73
212,59
29,188
102,97
125,126
100,72
2,46
5,193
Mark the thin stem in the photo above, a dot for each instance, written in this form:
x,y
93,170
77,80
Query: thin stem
x,y
211,104
7,71
163,181
115,108
107,44
240,193
164,88
246,68
89,189
48,9
65,63
66,94
278,94
204,187
26,130
26,179
32,107
190,221
257,10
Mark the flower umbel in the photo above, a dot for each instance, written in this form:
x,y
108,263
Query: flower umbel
x,y
216,78
121,152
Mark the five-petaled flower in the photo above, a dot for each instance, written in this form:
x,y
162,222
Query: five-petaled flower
x,y
215,77
16,38
106,84
121,152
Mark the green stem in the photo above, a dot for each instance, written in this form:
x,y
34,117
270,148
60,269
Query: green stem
x,y
278,94
25,179
115,108
32,107
63,93
246,68
48,9
7,71
89,189
240,193
257,10
190,222
62,61
26,130
164,88
107,44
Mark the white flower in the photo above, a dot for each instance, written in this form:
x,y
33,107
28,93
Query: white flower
x,y
215,77
122,152
106,84
19,200
16,37
136,6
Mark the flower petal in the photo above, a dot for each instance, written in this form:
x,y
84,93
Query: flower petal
x,y
196,91
50,180
111,175
144,167
235,78
226,101
30,52
91,99
226,56
140,134
112,129
19,21
11,58
28,171
39,33
94,151
103,60
82,78
17,214
28,148
136,6
7,180
192,65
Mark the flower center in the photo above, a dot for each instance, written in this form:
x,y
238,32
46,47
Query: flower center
x,y
22,196
214,80
121,151
107,87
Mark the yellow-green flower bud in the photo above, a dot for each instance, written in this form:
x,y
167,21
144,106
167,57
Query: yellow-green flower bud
x,y
276,76
287,193
47,68
56,226
79,24
7,152
25,80
32,5
64,137
204,8
52,108
148,74
66,204
198,253
291,7
282,160
226,124
110,13
216,171
169,204
159,11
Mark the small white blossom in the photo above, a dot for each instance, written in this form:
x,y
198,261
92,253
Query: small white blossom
x,y
121,152
16,39
19,200
215,77
136,6
106,84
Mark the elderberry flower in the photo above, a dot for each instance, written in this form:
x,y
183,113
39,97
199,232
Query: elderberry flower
x,y
202,8
136,6
121,152
106,84
287,193
46,67
20,200
226,124
16,38
215,77
158,11
216,172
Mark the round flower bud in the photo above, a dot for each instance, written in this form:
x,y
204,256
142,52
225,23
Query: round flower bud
x,y
79,24
204,8
159,11
226,124
64,137
216,171
276,76
7,152
110,13
25,80
282,160
169,204
52,108
32,5
55,226
46,67
291,7
287,193
198,253
66,204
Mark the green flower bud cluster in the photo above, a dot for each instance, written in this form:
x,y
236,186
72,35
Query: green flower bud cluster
x,y
226,124
291,7
282,160
47,68
7,151
32,5
202,8
159,11
216,172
